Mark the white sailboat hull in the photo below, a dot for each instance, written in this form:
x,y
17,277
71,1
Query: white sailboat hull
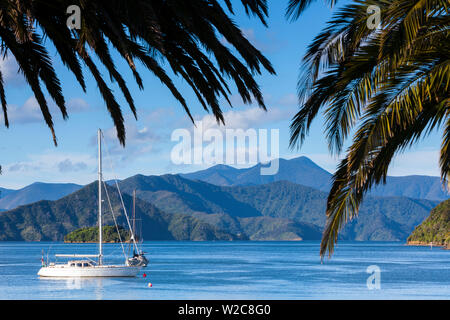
x,y
64,271
88,268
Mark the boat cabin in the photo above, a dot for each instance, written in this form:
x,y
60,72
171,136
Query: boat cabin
x,y
80,264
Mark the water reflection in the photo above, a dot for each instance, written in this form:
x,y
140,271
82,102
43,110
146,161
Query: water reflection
x,y
94,285
260,270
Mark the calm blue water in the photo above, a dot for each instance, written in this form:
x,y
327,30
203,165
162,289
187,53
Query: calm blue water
x,y
237,270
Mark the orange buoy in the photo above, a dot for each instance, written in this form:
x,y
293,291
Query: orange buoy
x,y
144,275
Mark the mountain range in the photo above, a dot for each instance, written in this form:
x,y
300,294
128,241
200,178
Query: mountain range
x,y
37,191
174,208
237,209
300,170
305,172
4,192
222,203
52,220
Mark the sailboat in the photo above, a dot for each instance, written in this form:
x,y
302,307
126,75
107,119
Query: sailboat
x,y
82,265
138,258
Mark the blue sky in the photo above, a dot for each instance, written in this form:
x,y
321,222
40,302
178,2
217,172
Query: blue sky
x,y
28,154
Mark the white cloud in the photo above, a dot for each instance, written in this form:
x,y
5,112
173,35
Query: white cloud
x,y
30,111
69,166
51,166
10,71
249,33
27,113
139,141
76,105
253,117
48,161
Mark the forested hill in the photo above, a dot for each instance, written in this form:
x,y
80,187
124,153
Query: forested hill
x,y
435,229
174,208
90,234
52,220
240,209
304,171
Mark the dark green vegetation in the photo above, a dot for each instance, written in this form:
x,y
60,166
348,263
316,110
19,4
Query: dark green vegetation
x,y
185,35
299,170
174,208
435,229
90,234
277,210
305,172
36,192
52,220
384,86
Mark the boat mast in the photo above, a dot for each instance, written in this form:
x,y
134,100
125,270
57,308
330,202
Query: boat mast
x,y
134,213
100,234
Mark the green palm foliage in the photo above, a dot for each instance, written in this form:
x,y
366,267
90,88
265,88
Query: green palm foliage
x,y
185,36
387,87
297,7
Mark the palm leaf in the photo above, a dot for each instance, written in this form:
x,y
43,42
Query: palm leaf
x,y
390,86
184,35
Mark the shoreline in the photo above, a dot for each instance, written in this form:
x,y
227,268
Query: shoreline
x,y
428,244
94,241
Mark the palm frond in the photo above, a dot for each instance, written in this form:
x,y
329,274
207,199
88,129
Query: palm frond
x,y
185,35
295,8
389,85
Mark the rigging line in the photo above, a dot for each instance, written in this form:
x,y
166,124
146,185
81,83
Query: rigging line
x,y
113,252
120,193
114,218
48,251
